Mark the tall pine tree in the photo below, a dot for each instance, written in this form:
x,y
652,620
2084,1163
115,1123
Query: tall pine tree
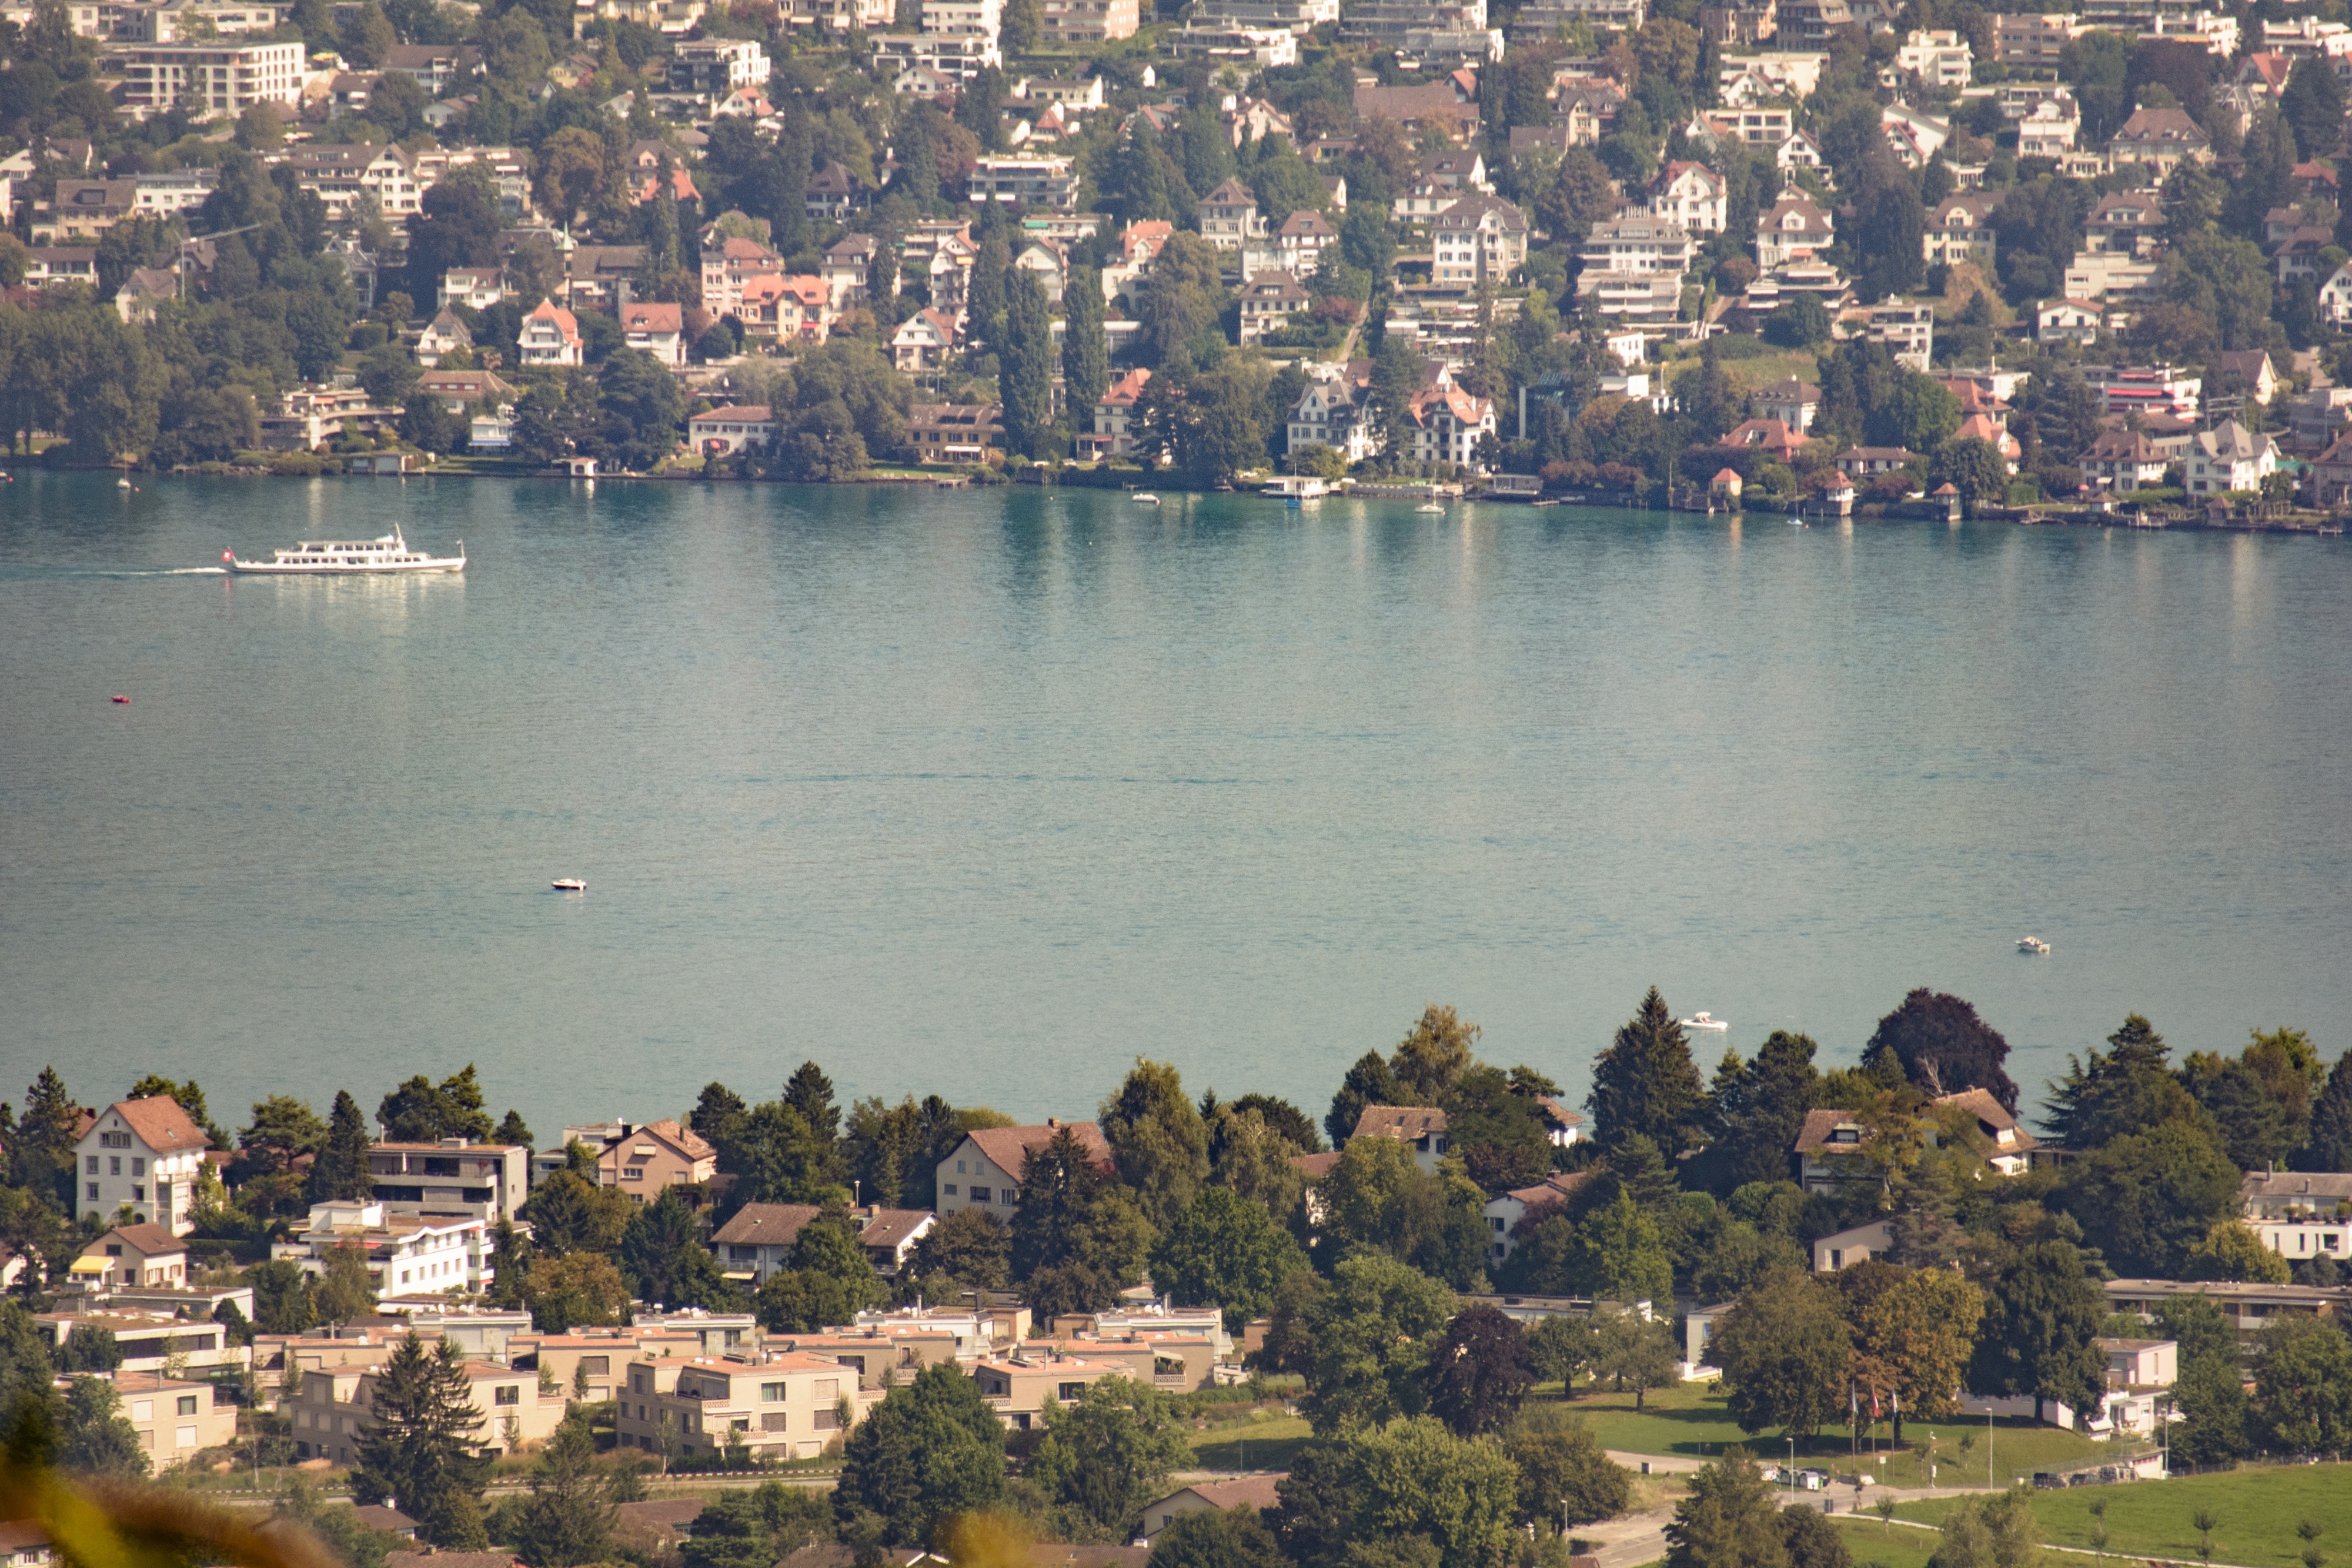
x,y
340,1171
1646,1083
2329,1148
1025,372
1086,352
419,1452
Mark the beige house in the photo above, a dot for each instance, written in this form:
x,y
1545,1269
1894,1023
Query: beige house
x,y
148,1340
759,1240
1828,1151
984,1170
1243,1491
1169,1360
175,1417
1848,1248
134,1255
1018,1386
333,1407
880,1359
1504,1211
776,1407
140,1155
661,1153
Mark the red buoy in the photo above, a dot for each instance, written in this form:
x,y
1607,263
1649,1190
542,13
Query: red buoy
x,y
124,701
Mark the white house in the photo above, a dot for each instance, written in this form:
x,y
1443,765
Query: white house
x,y
549,336
406,1254
1691,194
1478,238
142,1155
2300,1215
2230,459
133,1256
984,1170
1505,1211
2068,322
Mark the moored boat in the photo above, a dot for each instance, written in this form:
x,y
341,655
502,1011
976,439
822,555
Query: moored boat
x,y
1705,1020
329,558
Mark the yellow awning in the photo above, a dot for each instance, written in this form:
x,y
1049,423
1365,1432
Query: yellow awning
x,y
89,1266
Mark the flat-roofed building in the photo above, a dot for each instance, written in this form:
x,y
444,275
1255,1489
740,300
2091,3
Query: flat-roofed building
x,y
206,78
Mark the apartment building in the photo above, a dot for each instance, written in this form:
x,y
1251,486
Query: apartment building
x,y
204,78
1019,1385
1025,181
2034,42
772,1406
335,1406
453,1177
1638,244
175,1417
971,18
358,178
1090,21
718,66
406,1254
148,1340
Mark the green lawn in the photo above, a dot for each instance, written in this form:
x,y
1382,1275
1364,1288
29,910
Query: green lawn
x,y
1691,1419
1261,1445
2258,1511
1873,1542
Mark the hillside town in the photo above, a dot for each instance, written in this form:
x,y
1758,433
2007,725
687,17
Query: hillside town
x,y
1814,254
938,1324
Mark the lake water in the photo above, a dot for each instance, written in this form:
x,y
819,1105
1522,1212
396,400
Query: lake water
x,y
987,792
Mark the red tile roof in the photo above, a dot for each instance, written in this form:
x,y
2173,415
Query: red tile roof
x,y
161,1123
1007,1148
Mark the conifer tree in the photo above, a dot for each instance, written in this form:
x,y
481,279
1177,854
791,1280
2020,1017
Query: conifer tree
x,y
418,1452
1371,1081
40,1152
2329,1148
340,1173
1157,1136
810,1092
1026,374
568,1518
1646,1081
1086,352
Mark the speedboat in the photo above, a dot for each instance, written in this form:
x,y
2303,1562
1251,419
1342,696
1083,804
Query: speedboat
x,y
370,557
2034,945
1433,506
569,884
1145,498
1705,1020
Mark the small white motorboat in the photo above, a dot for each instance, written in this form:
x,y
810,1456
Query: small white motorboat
x,y
122,484
1145,498
2033,945
569,884
1705,1020
1433,506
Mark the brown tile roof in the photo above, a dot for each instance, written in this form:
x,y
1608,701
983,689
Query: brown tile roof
x,y
149,1240
1553,1188
160,1121
765,1225
1253,1491
1008,1148
1318,1166
1407,1122
451,1560
1818,1126
22,1532
1990,1114
1556,1112
889,1227
376,1516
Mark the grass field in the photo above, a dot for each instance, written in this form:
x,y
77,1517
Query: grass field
x,y
1691,1419
2258,1511
1265,1444
1872,1541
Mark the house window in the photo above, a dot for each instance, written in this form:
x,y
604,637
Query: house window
x,y
597,1365
138,1167
114,1164
509,1394
187,1403
90,1164
1072,1391
774,1420
632,1172
772,1393
951,1189
92,1194
959,1170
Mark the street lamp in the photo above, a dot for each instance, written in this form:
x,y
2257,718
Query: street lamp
x,y
1792,1467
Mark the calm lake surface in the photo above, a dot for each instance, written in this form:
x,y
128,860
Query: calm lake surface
x,y
987,792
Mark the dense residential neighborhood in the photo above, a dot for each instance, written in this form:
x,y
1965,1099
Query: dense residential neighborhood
x,y
1227,240
2148,1280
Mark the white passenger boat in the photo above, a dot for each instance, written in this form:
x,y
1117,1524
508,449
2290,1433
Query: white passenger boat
x,y
569,884
1144,498
1707,1021
1431,507
2034,945
326,558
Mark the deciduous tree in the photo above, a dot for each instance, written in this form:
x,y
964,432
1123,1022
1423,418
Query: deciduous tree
x,y
1566,1478
1728,1521
1479,1370
932,1448
1368,1340
1783,1349
1939,1043
1157,1139
1224,1249
1108,1454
